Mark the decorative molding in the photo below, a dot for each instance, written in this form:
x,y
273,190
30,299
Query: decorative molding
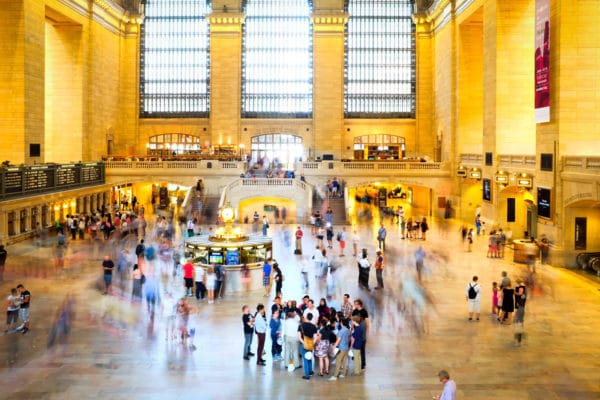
x,y
332,22
225,22
108,14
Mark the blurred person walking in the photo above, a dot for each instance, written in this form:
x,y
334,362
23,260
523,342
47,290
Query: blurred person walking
x,y
107,266
379,262
3,255
520,299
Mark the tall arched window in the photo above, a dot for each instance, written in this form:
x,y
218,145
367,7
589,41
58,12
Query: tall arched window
x,y
281,148
174,59
380,59
277,59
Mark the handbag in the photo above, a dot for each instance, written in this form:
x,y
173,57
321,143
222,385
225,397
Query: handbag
x,y
309,343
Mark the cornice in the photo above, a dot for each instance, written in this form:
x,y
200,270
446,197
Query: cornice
x,y
225,22
329,21
108,14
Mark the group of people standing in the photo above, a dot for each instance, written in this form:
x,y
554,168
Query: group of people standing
x,y
17,309
506,300
301,334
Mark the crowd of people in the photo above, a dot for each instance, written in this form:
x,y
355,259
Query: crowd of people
x,y
302,334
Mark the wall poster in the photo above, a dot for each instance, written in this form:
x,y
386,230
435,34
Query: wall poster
x,y
542,61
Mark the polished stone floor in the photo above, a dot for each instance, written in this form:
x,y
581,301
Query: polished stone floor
x,y
112,352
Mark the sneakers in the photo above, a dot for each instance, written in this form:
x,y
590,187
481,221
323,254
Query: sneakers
x,y
333,378
342,376
306,377
246,358
250,354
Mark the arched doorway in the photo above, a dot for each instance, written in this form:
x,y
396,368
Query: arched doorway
x,y
282,148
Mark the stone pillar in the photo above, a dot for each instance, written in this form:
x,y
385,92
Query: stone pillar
x,y
424,105
508,35
508,94
328,84
226,76
21,78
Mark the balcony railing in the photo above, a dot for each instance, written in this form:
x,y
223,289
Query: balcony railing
x,y
588,164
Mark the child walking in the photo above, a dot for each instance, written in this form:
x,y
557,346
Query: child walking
x,y
495,298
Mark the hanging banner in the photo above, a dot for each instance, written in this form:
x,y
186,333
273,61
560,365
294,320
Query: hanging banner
x,y
542,61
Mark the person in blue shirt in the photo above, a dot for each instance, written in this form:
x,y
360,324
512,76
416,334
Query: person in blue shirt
x,y
275,326
356,343
267,277
342,344
381,234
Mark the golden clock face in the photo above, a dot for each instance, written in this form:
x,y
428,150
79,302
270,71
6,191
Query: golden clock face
x,y
227,214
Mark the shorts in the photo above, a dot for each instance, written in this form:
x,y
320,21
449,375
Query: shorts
x,y
107,279
12,317
24,314
189,282
342,244
474,305
266,281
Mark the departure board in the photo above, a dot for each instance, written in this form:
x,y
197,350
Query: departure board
x,y
91,173
13,181
67,175
36,179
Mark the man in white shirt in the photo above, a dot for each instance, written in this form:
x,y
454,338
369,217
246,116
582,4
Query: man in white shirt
x,y
449,392
311,309
473,296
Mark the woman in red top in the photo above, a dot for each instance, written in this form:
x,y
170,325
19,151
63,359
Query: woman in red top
x,y
188,277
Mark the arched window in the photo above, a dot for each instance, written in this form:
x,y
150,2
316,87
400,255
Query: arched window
x,y
281,148
380,59
169,144
174,59
277,59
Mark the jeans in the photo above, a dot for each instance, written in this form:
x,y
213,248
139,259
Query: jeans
x,y
247,343
261,346
200,290
379,274
308,364
363,355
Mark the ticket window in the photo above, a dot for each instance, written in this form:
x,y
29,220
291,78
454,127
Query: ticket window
x,y
35,217
12,216
45,213
23,221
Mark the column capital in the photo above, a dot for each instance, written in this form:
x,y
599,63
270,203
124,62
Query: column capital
x,y
329,21
423,23
226,22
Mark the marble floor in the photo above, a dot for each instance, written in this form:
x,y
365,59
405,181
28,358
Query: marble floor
x,y
112,352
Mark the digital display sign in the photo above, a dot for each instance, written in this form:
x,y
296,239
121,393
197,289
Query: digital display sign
x,y
487,189
543,202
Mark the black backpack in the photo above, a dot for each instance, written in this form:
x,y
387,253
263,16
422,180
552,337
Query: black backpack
x,y
472,292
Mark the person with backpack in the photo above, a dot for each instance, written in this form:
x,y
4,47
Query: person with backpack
x,y
473,295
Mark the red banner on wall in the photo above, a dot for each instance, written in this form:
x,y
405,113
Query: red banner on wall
x,y
542,61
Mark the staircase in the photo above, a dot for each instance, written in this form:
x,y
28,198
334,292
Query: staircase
x,y
210,210
337,204
207,207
